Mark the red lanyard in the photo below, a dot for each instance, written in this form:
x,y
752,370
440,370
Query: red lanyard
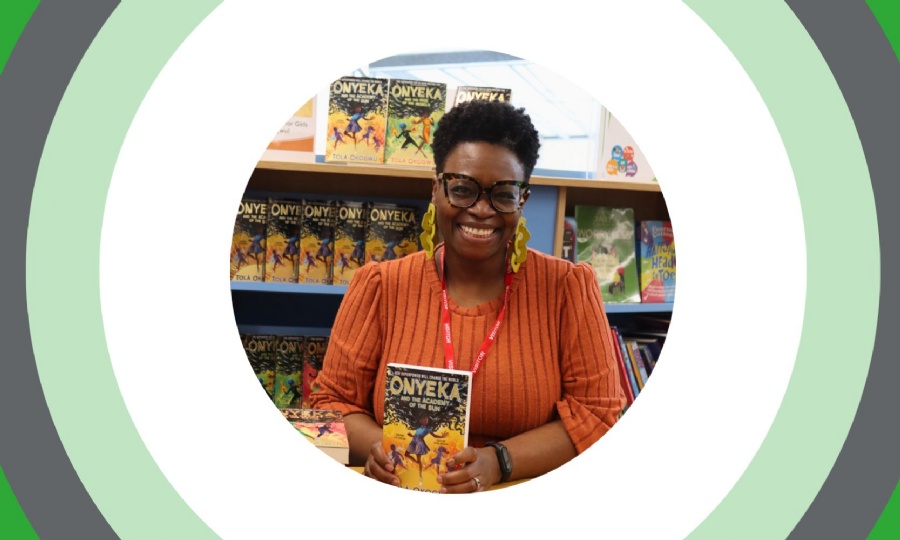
x,y
449,359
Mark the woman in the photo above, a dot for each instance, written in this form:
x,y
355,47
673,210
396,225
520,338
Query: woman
x,y
548,386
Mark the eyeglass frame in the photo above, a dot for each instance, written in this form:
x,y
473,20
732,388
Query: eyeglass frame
x,y
524,185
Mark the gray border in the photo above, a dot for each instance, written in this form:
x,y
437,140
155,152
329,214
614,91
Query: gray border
x,y
32,85
866,69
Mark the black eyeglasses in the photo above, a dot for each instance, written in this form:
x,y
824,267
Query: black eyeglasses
x,y
464,191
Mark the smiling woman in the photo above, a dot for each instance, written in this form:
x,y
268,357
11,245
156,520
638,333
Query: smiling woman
x,y
546,384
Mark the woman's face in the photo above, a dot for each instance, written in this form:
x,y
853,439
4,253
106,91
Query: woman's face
x,y
479,232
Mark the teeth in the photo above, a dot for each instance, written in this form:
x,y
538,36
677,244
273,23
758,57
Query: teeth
x,y
482,233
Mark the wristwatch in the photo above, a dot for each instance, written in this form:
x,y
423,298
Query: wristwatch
x,y
503,459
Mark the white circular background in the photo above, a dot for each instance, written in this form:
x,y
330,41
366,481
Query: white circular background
x,y
194,143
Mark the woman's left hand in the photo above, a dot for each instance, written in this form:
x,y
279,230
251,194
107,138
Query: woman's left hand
x,y
478,470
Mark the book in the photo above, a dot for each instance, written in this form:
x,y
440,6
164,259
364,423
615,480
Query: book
x,y
414,110
295,141
481,93
568,243
639,361
392,232
289,371
626,361
640,375
324,429
605,240
350,229
248,241
316,347
426,421
357,114
317,243
283,240
260,350
620,157
624,374
657,261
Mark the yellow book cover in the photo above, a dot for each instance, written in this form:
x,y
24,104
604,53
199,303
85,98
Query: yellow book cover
x,y
414,110
393,232
426,421
357,112
283,240
317,242
349,240
248,243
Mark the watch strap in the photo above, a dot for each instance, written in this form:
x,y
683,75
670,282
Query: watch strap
x,y
503,459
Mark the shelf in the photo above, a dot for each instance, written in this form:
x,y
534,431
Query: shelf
x,y
339,290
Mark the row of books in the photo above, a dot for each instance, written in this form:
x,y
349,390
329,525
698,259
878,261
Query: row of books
x,y
286,366
317,242
630,267
636,355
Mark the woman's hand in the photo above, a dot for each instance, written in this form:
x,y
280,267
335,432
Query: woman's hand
x,y
379,466
478,470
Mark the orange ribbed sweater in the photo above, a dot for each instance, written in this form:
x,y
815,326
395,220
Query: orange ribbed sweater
x,y
552,357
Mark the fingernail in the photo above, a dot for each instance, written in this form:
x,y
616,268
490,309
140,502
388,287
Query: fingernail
x,y
443,490
440,479
396,481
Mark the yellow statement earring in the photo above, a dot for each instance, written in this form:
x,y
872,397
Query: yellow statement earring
x,y
428,231
519,249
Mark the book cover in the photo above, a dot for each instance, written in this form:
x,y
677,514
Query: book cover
x,y
568,242
295,141
357,115
635,368
324,429
620,157
639,360
624,374
349,240
260,349
317,242
414,110
426,421
392,232
315,346
283,240
629,367
289,371
481,93
248,242
657,261
606,241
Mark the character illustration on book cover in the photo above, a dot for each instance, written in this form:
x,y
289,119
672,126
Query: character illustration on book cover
x,y
414,110
282,233
606,241
317,243
357,108
422,428
248,244
392,232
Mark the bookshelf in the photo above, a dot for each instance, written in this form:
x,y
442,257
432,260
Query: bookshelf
x,y
279,307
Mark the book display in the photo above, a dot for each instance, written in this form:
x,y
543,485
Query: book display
x,y
324,429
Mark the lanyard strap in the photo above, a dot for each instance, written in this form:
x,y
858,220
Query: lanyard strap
x,y
449,358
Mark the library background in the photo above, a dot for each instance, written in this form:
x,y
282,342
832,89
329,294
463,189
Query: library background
x,y
326,198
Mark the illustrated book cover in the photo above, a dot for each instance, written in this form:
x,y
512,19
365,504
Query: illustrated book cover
x,y
248,242
481,93
260,349
357,116
324,429
605,240
295,141
426,421
620,157
283,240
317,243
349,240
289,354
657,261
393,232
316,347
414,110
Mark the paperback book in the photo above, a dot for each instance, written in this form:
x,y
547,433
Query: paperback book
x,y
392,232
248,242
314,356
350,240
620,157
606,241
481,93
357,115
295,141
283,240
289,371
426,421
324,429
657,261
260,350
317,243
414,110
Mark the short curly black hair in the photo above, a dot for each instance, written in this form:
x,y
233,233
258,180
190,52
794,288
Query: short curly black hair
x,y
495,122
